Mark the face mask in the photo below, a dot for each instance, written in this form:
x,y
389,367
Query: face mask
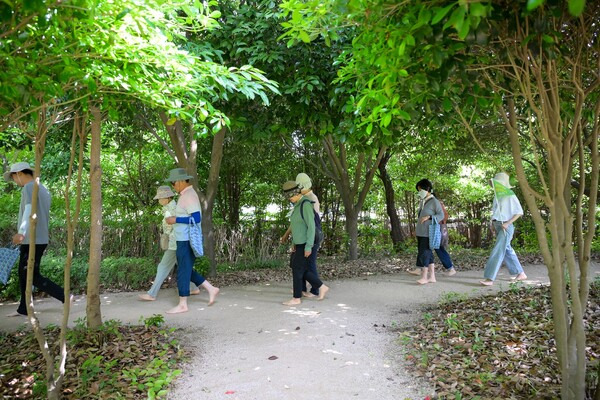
x,y
422,194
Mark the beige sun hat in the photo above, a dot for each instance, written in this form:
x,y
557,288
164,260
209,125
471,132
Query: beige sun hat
x,y
163,192
290,188
503,179
17,167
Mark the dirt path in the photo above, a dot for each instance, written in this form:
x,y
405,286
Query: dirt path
x,y
248,346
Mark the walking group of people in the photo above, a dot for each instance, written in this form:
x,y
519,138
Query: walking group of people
x,y
181,217
506,209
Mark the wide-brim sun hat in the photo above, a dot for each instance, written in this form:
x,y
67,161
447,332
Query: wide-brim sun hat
x,y
503,179
17,167
178,174
164,192
290,188
304,181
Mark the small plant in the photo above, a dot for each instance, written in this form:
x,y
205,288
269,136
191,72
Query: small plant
x,y
453,323
156,320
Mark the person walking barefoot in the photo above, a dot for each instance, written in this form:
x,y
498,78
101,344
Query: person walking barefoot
x,y
506,209
188,206
303,238
165,195
429,207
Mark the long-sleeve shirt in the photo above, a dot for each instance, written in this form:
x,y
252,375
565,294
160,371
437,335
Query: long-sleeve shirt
x,y
431,207
303,230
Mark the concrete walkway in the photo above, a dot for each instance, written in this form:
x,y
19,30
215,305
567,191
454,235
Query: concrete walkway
x,y
248,346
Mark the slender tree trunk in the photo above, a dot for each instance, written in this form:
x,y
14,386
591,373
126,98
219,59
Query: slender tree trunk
x,y
349,184
208,200
93,314
390,202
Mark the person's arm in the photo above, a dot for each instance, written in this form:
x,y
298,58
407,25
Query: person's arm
x,y
286,235
309,219
515,217
186,220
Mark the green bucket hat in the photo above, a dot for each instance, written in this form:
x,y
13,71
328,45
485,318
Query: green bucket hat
x,y
178,174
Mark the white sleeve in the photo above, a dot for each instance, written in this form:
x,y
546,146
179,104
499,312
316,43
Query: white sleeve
x,y
24,223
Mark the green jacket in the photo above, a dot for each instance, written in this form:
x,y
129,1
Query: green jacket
x,y
303,230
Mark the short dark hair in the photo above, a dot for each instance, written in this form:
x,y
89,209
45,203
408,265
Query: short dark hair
x,y
425,184
25,171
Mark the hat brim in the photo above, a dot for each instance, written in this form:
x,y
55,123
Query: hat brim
x,y
7,176
179,178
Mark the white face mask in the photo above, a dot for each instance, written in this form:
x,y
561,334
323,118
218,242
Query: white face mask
x,y
422,194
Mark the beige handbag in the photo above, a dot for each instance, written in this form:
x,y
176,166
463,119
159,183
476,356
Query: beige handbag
x,y
164,241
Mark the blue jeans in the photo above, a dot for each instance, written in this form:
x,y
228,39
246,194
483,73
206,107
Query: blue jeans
x,y
163,270
444,257
502,252
185,271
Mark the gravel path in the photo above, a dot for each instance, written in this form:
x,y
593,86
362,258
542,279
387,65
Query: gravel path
x,y
249,346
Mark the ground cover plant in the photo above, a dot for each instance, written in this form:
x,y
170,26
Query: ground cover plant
x,y
114,362
499,346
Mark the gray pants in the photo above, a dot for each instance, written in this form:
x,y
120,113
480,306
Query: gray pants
x,y
164,268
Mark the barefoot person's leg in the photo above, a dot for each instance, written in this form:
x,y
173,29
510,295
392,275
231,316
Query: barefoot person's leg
x,y
185,263
299,267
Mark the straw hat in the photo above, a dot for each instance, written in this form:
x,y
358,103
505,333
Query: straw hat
x,y
163,192
17,167
502,178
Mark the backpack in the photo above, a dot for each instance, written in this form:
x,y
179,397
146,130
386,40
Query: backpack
x,y
318,228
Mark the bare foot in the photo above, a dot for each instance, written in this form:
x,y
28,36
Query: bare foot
x,y
212,294
146,297
178,309
416,271
521,277
292,302
450,272
323,291
432,280
15,314
422,281
195,292
487,282
307,294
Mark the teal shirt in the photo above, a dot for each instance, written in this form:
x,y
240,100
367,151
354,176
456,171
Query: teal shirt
x,y
303,230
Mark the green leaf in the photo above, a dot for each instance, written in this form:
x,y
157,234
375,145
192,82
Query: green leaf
x,y
441,14
404,115
533,4
171,121
304,36
447,104
576,7
477,10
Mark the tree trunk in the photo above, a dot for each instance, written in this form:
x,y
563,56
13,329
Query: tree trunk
x,y
186,158
93,314
208,200
353,195
390,202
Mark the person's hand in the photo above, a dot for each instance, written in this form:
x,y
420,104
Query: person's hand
x,y
293,249
18,238
307,253
423,219
284,239
505,226
170,220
